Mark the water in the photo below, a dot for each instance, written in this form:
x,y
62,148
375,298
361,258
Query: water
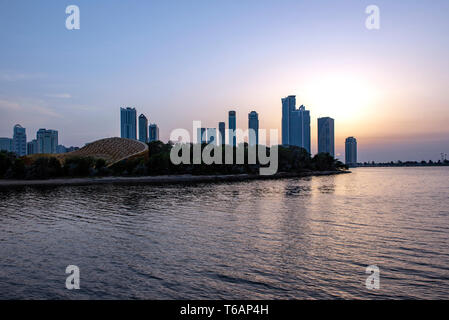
x,y
286,239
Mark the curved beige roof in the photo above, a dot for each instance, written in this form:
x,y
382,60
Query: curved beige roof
x,y
111,149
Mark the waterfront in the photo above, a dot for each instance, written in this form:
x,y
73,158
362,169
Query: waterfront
x,y
308,238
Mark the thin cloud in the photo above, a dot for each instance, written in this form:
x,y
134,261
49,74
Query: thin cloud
x,y
59,95
13,77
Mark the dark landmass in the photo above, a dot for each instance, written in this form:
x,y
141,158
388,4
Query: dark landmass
x,y
155,166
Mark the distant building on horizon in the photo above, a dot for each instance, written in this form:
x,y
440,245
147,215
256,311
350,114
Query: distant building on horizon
x,y
6,144
19,140
253,127
143,128
128,123
295,124
232,121
326,136
222,132
351,151
47,141
32,147
153,133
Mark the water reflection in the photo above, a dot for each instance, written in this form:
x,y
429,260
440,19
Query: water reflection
x,y
294,238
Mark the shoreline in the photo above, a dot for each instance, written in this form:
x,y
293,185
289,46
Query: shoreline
x,y
167,179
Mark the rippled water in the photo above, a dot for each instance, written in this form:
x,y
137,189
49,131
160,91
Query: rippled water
x,y
294,238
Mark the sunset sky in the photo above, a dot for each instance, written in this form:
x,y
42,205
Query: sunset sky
x,y
179,61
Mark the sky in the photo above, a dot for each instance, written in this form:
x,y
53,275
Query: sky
x,y
180,61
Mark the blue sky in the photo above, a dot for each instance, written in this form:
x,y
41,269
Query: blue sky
x,y
179,61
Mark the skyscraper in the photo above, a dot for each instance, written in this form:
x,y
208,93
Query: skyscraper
x,y
19,140
326,140
351,151
32,147
253,127
212,135
232,128
154,132
222,131
295,124
128,123
143,128
201,135
6,144
47,141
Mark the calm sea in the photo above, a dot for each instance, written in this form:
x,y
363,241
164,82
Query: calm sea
x,y
286,239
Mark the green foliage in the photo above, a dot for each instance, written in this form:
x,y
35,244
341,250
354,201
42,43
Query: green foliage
x,y
6,161
290,159
79,166
44,168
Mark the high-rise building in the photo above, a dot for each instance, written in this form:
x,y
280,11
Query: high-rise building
x,y
32,147
201,135
212,135
61,149
143,128
253,127
153,132
6,144
222,132
128,123
295,124
326,140
47,141
232,127
19,140
351,151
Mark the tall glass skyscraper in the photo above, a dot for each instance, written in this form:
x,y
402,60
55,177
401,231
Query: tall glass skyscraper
x,y
143,128
326,139
153,132
19,140
222,131
351,151
232,127
253,127
128,123
32,147
295,124
47,141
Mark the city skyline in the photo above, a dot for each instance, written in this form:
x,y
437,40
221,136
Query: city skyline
x,y
374,85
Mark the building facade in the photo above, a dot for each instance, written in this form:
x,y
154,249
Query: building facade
x,y
326,138
222,132
295,124
153,133
32,147
253,127
351,151
19,140
143,128
47,141
128,123
232,127
6,144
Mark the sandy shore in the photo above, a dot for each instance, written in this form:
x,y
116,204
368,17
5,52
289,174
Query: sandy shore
x,y
159,179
